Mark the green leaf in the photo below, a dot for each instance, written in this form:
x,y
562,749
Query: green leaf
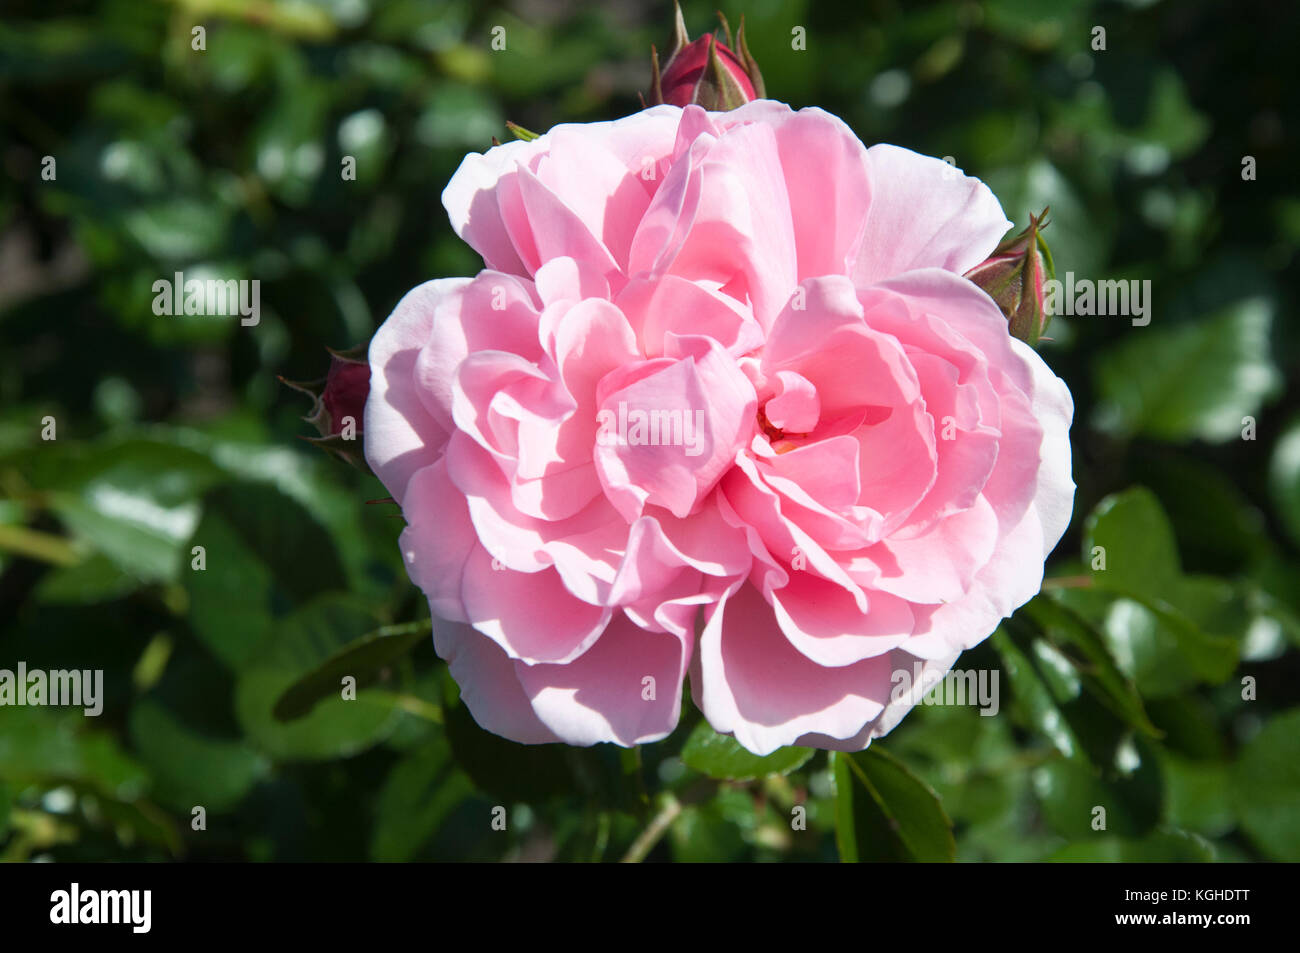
x,y
178,229
1038,24
1284,478
1162,650
189,768
1195,795
362,659
420,792
1155,642
1136,543
1164,846
1093,661
97,579
1130,789
231,599
1218,528
337,727
701,834
134,500
884,812
48,746
254,539
310,481
144,820
723,758
969,759
1265,780
1033,697
1190,726
1192,381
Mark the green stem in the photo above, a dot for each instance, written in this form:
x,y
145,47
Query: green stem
x,y
654,832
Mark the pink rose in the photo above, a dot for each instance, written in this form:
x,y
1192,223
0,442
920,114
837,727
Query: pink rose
x,y
722,404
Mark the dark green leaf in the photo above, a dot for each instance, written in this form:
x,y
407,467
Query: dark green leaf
x,y
1264,785
1192,381
723,758
1130,549
1129,789
421,790
1165,846
362,659
1284,478
884,812
188,768
1033,697
136,501
337,727
1092,660
1129,545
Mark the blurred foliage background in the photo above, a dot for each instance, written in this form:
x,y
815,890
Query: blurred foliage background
x,y
1121,689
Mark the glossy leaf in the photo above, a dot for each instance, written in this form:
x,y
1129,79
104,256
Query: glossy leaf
x,y
723,758
361,659
337,727
884,812
1264,785
1190,381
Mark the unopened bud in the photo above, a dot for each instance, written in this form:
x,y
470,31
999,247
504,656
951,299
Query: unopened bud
x,y
1016,275
705,71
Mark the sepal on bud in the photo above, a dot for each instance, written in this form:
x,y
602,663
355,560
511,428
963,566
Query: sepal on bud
x,y
1016,275
705,72
338,404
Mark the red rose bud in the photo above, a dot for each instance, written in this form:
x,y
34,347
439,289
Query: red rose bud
x,y
339,404
1015,276
706,72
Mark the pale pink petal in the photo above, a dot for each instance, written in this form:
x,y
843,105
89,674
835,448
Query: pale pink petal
x,y
678,429
906,694
923,213
532,616
752,683
824,166
795,407
747,245
401,435
473,203
488,684
438,539
626,689
823,622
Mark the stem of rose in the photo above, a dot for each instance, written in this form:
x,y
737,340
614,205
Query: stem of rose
x,y
654,832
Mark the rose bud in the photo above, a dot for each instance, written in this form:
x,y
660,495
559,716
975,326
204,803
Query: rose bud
x,y
339,404
1015,276
706,72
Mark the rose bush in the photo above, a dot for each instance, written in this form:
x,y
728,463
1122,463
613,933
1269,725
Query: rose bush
x,y
855,468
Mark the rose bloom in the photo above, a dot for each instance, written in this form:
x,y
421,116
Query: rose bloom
x,y
720,405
